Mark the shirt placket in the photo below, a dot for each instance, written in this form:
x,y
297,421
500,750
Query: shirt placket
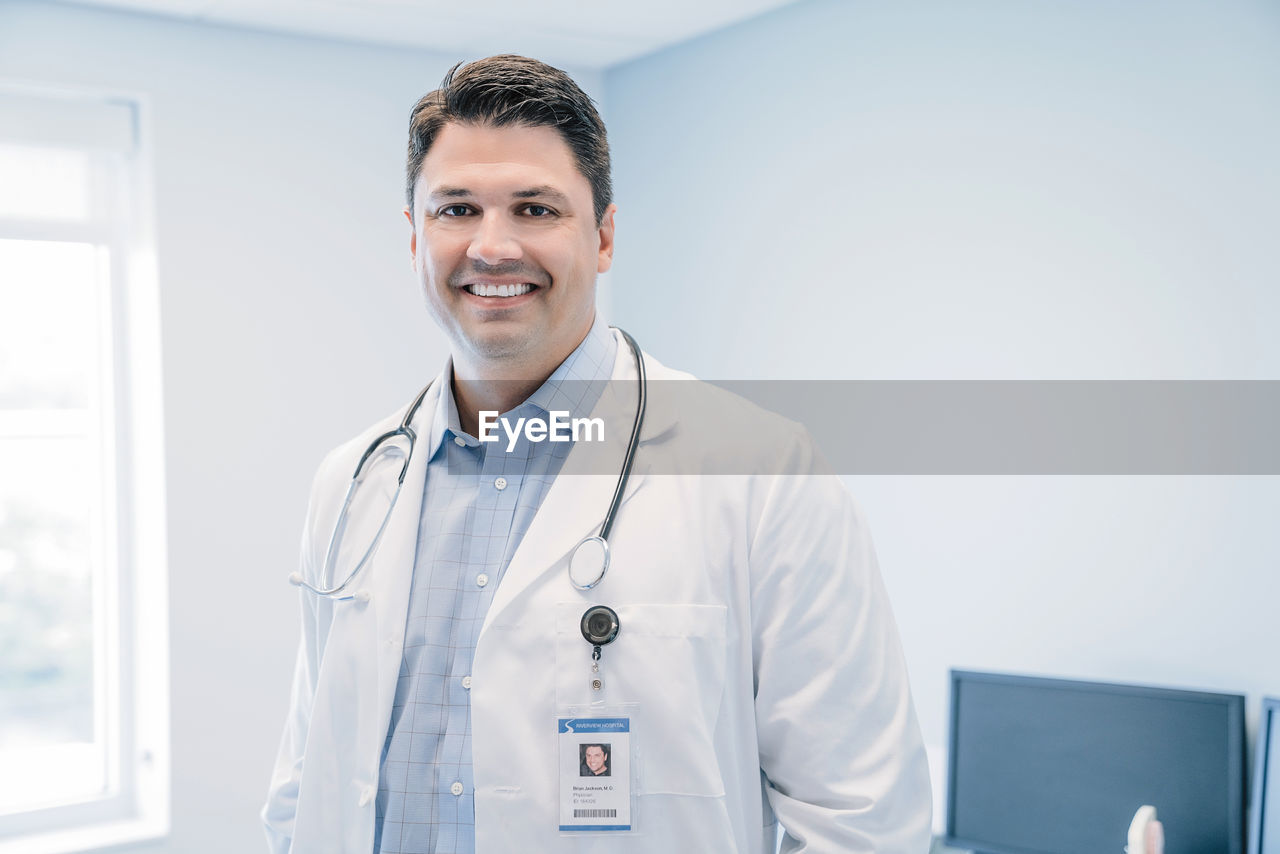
x,y
497,490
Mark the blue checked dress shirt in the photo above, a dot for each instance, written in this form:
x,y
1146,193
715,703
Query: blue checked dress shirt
x,y
477,504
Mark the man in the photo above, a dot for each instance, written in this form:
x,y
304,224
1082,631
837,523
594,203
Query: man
x,y
595,762
753,622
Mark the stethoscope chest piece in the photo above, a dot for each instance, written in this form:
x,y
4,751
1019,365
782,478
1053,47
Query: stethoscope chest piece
x,y
588,563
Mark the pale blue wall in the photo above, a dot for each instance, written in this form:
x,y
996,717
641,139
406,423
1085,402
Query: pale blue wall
x,y
994,190
957,190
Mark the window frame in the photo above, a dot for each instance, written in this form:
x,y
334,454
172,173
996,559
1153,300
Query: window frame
x,y
131,664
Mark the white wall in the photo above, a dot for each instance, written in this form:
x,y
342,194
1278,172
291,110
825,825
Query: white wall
x,y
290,321
988,190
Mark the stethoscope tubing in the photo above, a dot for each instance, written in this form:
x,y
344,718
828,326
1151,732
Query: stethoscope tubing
x,y
632,442
338,593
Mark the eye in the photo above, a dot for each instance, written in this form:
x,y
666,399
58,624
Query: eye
x,y
538,210
454,210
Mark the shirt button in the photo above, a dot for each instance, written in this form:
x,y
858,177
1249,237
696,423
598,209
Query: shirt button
x,y
366,796
456,788
459,441
500,483
482,580
466,682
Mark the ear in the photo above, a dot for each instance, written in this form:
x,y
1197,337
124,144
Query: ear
x,y
606,240
413,240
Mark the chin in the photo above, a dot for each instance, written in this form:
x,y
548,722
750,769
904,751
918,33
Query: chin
x,y
501,346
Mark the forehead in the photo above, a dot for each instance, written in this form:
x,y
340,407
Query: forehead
x,y
594,749
485,158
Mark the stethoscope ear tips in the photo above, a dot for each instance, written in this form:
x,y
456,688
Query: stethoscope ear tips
x,y
295,578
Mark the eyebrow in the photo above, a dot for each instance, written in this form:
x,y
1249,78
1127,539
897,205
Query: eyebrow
x,y
540,192
543,192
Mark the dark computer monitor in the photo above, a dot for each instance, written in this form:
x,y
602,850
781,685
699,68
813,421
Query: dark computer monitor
x,y
1054,766
1264,812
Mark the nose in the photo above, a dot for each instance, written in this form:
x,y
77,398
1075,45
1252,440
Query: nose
x,y
494,240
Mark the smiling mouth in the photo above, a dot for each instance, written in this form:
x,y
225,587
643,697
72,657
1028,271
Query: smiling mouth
x,y
499,291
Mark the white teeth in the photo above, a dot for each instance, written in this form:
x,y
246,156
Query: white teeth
x,y
499,290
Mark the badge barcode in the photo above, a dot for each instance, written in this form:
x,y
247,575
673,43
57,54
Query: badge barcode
x,y
595,813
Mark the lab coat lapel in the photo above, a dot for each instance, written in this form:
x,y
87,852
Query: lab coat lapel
x,y
391,568
575,505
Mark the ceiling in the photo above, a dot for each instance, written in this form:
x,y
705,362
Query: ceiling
x,y
580,33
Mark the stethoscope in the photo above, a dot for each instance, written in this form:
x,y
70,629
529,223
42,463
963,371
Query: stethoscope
x,y
588,562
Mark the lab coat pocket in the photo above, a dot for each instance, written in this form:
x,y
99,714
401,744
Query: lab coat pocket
x,y
669,660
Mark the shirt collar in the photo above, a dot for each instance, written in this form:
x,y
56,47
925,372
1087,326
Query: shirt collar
x,y
573,387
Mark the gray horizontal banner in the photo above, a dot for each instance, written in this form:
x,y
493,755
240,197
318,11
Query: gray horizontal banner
x,y
1061,427
939,427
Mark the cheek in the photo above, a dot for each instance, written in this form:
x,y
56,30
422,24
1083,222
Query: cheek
x,y
437,265
563,255
440,251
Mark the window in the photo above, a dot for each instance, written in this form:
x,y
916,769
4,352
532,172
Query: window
x,y
83,630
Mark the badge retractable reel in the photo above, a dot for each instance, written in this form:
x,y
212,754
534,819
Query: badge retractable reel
x,y
599,627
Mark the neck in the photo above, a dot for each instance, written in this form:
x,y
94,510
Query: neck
x,y
499,385
490,394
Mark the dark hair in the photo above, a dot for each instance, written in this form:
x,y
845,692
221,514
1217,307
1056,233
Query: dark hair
x,y
514,90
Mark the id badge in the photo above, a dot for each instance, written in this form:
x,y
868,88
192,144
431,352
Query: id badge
x,y
596,774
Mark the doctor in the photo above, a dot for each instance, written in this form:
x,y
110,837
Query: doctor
x,y
757,659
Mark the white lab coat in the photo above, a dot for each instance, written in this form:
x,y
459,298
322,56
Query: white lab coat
x,y
756,639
